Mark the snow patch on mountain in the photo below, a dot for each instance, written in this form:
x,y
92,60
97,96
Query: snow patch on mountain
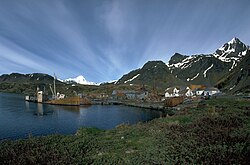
x,y
205,72
132,78
224,58
185,63
233,66
191,79
112,81
195,76
232,88
80,80
244,53
60,79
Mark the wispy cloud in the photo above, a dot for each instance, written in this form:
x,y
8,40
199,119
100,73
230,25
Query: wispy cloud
x,y
118,23
19,56
58,41
102,40
114,19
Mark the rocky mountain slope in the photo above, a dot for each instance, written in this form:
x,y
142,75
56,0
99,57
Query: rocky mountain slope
x,y
199,69
208,69
153,73
34,77
26,83
238,80
205,69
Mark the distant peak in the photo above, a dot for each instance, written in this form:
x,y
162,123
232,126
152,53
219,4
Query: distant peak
x,y
177,57
234,40
232,45
155,62
80,77
80,80
177,54
232,50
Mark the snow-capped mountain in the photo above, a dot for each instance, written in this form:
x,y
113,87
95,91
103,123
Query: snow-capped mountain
x,y
79,80
233,50
209,68
205,69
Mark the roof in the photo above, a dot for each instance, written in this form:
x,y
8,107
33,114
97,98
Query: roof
x,y
170,90
177,87
195,87
183,91
212,89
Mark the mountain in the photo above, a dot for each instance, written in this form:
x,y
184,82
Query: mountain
x,y
226,68
153,73
79,80
25,78
199,69
233,50
238,80
28,83
205,69
25,83
210,68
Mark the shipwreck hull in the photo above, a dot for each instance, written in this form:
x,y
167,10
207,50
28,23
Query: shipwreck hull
x,y
70,101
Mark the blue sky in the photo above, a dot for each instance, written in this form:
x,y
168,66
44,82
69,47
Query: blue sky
x,y
104,39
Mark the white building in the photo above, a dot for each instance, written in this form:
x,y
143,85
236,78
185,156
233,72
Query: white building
x,y
178,91
211,91
60,95
199,92
172,92
189,92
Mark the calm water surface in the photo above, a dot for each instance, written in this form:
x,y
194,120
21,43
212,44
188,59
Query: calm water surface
x,y
20,119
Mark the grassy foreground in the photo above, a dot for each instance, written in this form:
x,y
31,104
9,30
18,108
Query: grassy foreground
x,y
216,132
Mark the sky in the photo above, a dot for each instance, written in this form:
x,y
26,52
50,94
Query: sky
x,y
105,39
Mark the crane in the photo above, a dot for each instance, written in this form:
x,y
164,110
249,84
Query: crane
x,y
54,86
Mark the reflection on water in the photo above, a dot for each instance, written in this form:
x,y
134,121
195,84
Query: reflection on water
x,y
39,109
74,109
19,118
27,104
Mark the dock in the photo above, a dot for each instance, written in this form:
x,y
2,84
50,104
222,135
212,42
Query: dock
x,y
31,99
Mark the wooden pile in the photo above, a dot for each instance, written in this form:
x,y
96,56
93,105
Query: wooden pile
x,y
173,101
